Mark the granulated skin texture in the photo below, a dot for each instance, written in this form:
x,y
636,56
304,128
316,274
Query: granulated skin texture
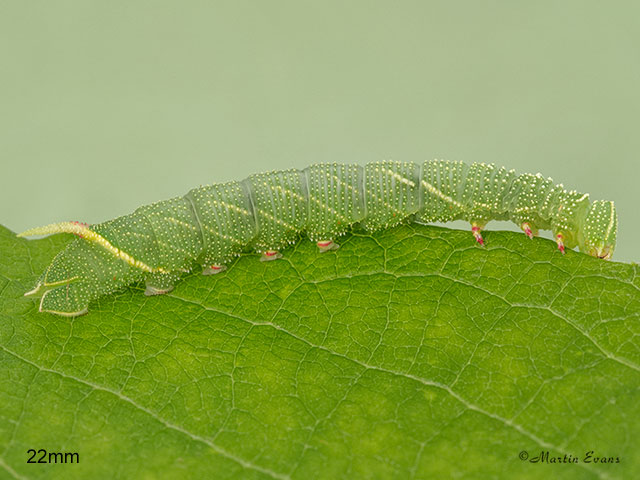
x,y
267,211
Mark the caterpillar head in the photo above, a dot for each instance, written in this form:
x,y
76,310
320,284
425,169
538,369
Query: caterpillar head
x,y
599,230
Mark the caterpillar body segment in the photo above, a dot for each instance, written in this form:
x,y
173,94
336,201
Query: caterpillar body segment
x,y
485,194
528,200
598,232
441,191
279,206
176,229
133,234
335,199
226,222
391,192
266,212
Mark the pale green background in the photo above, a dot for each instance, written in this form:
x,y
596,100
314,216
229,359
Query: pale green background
x,y
107,105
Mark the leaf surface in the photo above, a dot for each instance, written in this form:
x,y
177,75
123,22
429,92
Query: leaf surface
x,y
410,353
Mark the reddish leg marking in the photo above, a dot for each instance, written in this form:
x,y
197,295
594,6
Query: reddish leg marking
x,y
527,229
327,245
559,241
269,255
213,269
475,229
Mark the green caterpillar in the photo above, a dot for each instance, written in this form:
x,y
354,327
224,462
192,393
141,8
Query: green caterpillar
x,y
266,212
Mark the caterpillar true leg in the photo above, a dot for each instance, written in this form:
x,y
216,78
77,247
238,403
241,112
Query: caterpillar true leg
x,y
476,229
327,246
526,228
560,242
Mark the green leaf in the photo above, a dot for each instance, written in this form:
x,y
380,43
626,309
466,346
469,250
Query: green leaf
x,y
411,353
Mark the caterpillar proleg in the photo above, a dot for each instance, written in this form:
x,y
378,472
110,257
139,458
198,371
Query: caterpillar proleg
x,y
266,212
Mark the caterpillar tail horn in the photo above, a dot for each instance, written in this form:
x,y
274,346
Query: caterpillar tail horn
x,y
83,231
76,228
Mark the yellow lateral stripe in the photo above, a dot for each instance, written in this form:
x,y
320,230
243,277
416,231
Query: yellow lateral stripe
x,y
340,181
181,223
397,176
524,209
229,206
389,206
84,232
300,197
221,235
281,189
328,208
441,195
312,198
275,220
